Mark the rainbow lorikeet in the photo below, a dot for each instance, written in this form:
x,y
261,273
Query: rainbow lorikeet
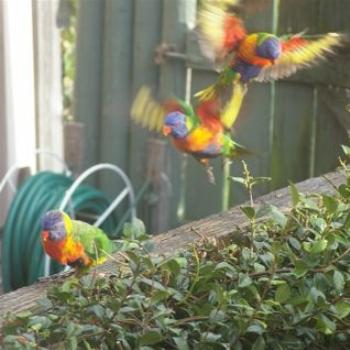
x,y
201,132
72,242
258,56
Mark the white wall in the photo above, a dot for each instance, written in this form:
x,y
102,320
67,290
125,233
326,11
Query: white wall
x,y
30,89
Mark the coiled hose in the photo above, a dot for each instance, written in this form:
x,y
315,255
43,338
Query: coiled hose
x,y
22,253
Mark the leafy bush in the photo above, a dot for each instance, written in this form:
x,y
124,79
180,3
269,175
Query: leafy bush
x,y
284,286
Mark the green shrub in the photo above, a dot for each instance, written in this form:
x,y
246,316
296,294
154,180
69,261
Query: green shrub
x,y
285,287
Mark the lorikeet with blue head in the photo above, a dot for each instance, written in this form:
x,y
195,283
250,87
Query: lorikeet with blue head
x,y
72,242
253,57
200,132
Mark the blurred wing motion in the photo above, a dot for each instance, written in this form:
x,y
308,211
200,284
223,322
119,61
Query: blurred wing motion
x,y
231,110
298,52
147,112
220,31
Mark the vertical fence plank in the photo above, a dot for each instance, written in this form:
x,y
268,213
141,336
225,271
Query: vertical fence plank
x,y
146,37
87,89
115,91
177,17
294,111
332,128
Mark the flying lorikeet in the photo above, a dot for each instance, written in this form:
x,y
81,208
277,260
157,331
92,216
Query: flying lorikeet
x,y
258,56
72,242
201,132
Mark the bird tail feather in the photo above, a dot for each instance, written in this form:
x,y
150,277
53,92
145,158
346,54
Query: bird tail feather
x,y
207,94
239,151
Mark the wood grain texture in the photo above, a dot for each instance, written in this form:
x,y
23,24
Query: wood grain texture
x,y
218,226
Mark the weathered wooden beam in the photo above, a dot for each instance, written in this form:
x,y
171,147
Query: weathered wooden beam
x,y
215,226
160,185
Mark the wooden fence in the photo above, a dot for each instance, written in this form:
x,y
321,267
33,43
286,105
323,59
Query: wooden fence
x,y
296,126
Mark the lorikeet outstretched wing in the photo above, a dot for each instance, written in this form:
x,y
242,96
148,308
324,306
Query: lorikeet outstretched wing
x,y
220,30
150,114
255,56
299,52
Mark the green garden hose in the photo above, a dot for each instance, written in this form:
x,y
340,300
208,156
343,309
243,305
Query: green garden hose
x,y
22,253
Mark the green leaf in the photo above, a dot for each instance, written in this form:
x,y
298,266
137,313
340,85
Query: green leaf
x,y
294,243
342,309
244,281
72,343
325,325
159,295
294,193
259,344
301,268
216,316
346,224
346,150
211,337
283,293
181,343
256,328
316,294
260,179
344,191
151,337
315,247
277,216
98,310
338,280
330,203
249,212
240,180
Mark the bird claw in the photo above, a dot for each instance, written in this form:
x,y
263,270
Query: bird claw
x,y
57,276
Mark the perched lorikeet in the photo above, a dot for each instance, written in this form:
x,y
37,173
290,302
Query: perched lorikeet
x,y
200,132
72,242
258,56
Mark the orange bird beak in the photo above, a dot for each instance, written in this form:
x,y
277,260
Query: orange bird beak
x,y
166,130
45,236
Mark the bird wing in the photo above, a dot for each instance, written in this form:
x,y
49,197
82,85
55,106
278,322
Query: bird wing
x,y
299,52
219,29
146,111
150,114
231,108
94,240
214,113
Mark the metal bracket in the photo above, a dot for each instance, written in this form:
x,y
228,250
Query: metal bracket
x,y
165,50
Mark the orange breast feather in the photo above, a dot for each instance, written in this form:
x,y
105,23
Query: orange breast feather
x,y
197,141
64,252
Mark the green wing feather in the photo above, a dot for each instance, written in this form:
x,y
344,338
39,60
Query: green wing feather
x,y
95,242
226,78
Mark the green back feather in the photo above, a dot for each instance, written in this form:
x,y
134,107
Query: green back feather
x,y
92,239
192,120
